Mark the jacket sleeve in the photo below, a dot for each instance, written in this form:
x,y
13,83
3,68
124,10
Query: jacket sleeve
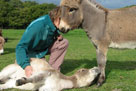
x,y
57,33
24,44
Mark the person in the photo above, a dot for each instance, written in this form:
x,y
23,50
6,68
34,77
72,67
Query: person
x,y
42,37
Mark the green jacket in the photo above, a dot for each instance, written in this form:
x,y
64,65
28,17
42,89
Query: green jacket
x,y
36,40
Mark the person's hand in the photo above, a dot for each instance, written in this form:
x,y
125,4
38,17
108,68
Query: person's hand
x,y
28,71
60,37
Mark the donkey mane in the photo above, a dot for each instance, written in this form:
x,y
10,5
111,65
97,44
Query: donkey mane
x,y
92,2
98,6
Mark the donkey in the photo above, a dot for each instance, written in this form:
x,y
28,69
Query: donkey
x,y
44,77
1,35
2,41
105,28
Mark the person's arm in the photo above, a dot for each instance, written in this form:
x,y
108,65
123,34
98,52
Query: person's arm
x,y
59,36
22,48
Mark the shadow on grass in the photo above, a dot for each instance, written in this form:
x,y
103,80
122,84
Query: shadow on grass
x,y
8,40
9,50
11,38
70,65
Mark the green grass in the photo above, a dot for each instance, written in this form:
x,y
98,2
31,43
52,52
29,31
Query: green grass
x,y
120,69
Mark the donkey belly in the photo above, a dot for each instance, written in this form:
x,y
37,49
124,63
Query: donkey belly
x,y
124,45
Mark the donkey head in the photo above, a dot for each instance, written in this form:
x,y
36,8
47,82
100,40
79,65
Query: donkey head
x,y
71,15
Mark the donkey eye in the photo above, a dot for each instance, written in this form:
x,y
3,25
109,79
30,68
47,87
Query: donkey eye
x,y
72,9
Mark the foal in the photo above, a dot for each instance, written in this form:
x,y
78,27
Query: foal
x,y
44,77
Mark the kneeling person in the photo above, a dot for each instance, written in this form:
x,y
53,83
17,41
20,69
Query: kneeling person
x,y
40,38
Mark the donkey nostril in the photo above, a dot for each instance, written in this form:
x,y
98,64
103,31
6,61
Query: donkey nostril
x,y
63,29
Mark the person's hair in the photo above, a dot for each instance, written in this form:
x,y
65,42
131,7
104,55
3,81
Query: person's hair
x,y
55,13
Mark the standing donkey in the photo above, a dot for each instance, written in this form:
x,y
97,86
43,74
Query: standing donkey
x,y
105,28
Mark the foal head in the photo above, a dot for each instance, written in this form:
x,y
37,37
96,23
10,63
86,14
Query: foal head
x,y
85,77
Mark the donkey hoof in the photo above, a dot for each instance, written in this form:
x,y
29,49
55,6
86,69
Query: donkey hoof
x,y
99,84
21,81
100,81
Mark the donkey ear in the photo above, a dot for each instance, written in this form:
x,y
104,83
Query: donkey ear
x,y
79,1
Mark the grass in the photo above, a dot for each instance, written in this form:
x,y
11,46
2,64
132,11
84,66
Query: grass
x,y
120,69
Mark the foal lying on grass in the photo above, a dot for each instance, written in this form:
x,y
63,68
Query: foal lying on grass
x,y
44,77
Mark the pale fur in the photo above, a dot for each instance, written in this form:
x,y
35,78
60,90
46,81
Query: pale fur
x,y
1,51
45,78
15,72
129,45
64,24
2,41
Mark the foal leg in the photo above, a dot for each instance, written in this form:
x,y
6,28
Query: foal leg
x,y
101,60
8,84
7,72
5,77
34,79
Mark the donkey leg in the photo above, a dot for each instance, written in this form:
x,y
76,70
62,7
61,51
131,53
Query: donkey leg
x,y
101,60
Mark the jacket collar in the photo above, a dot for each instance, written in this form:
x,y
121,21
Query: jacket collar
x,y
50,23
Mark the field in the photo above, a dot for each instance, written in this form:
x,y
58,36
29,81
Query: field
x,y
120,69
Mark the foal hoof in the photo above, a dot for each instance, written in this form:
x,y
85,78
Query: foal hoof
x,y
2,82
20,82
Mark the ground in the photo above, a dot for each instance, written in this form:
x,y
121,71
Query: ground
x,y
120,69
